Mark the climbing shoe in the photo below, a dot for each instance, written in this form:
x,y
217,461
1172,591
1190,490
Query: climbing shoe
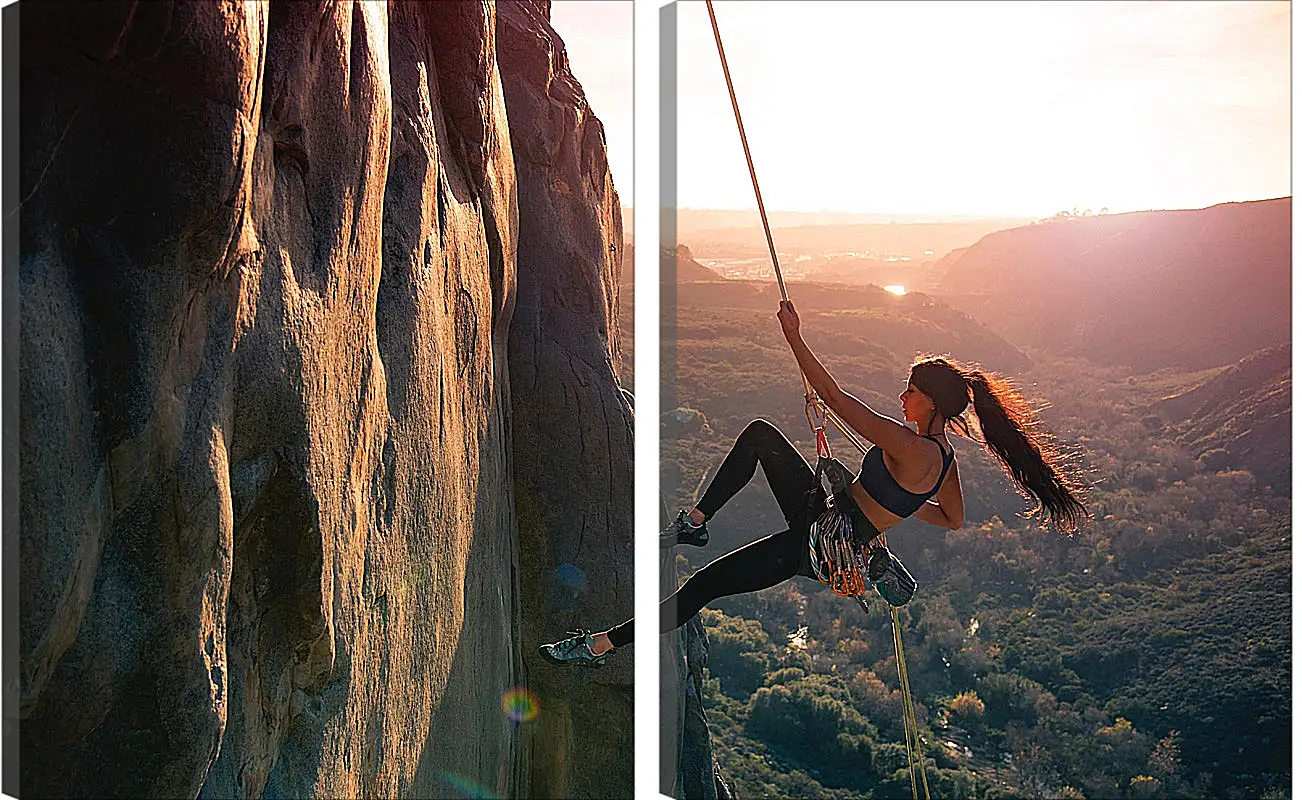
x,y
575,650
682,531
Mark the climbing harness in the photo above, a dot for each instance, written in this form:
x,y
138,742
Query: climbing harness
x,y
835,555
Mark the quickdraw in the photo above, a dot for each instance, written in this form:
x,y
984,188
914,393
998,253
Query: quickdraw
x,y
833,551
816,412
835,555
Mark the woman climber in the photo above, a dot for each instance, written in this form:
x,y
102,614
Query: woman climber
x,y
907,473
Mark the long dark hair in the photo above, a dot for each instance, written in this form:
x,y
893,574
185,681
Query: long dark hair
x,y
1007,430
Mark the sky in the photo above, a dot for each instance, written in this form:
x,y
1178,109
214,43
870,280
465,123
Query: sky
x,y
991,108
1019,109
598,36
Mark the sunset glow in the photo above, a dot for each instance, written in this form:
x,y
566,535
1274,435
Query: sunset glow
x,y
993,108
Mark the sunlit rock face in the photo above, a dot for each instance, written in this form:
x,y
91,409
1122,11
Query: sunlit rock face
x,y
572,429
267,276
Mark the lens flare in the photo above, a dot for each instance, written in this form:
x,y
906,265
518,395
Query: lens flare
x,y
520,705
571,576
465,787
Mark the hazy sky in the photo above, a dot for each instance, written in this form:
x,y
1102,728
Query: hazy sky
x,y
1019,108
598,36
996,108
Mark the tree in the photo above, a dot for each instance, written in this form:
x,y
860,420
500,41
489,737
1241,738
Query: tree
x,y
811,721
741,654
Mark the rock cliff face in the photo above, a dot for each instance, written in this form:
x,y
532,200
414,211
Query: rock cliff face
x,y
572,429
276,401
688,769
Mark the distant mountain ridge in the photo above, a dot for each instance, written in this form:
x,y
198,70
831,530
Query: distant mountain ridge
x,y
919,242
689,269
844,313
1188,288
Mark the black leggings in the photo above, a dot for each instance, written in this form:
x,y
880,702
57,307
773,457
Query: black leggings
x,y
762,563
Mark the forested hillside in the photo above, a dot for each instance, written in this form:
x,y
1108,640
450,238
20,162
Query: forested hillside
x,y
1146,656
1241,417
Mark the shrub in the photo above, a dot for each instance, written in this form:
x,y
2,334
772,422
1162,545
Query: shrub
x,y
1010,698
1214,460
784,675
1143,786
968,708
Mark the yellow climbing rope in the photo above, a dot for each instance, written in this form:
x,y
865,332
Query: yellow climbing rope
x,y
912,741
815,409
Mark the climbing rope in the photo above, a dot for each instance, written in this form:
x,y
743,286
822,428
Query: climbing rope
x,y
841,565
912,739
736,111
